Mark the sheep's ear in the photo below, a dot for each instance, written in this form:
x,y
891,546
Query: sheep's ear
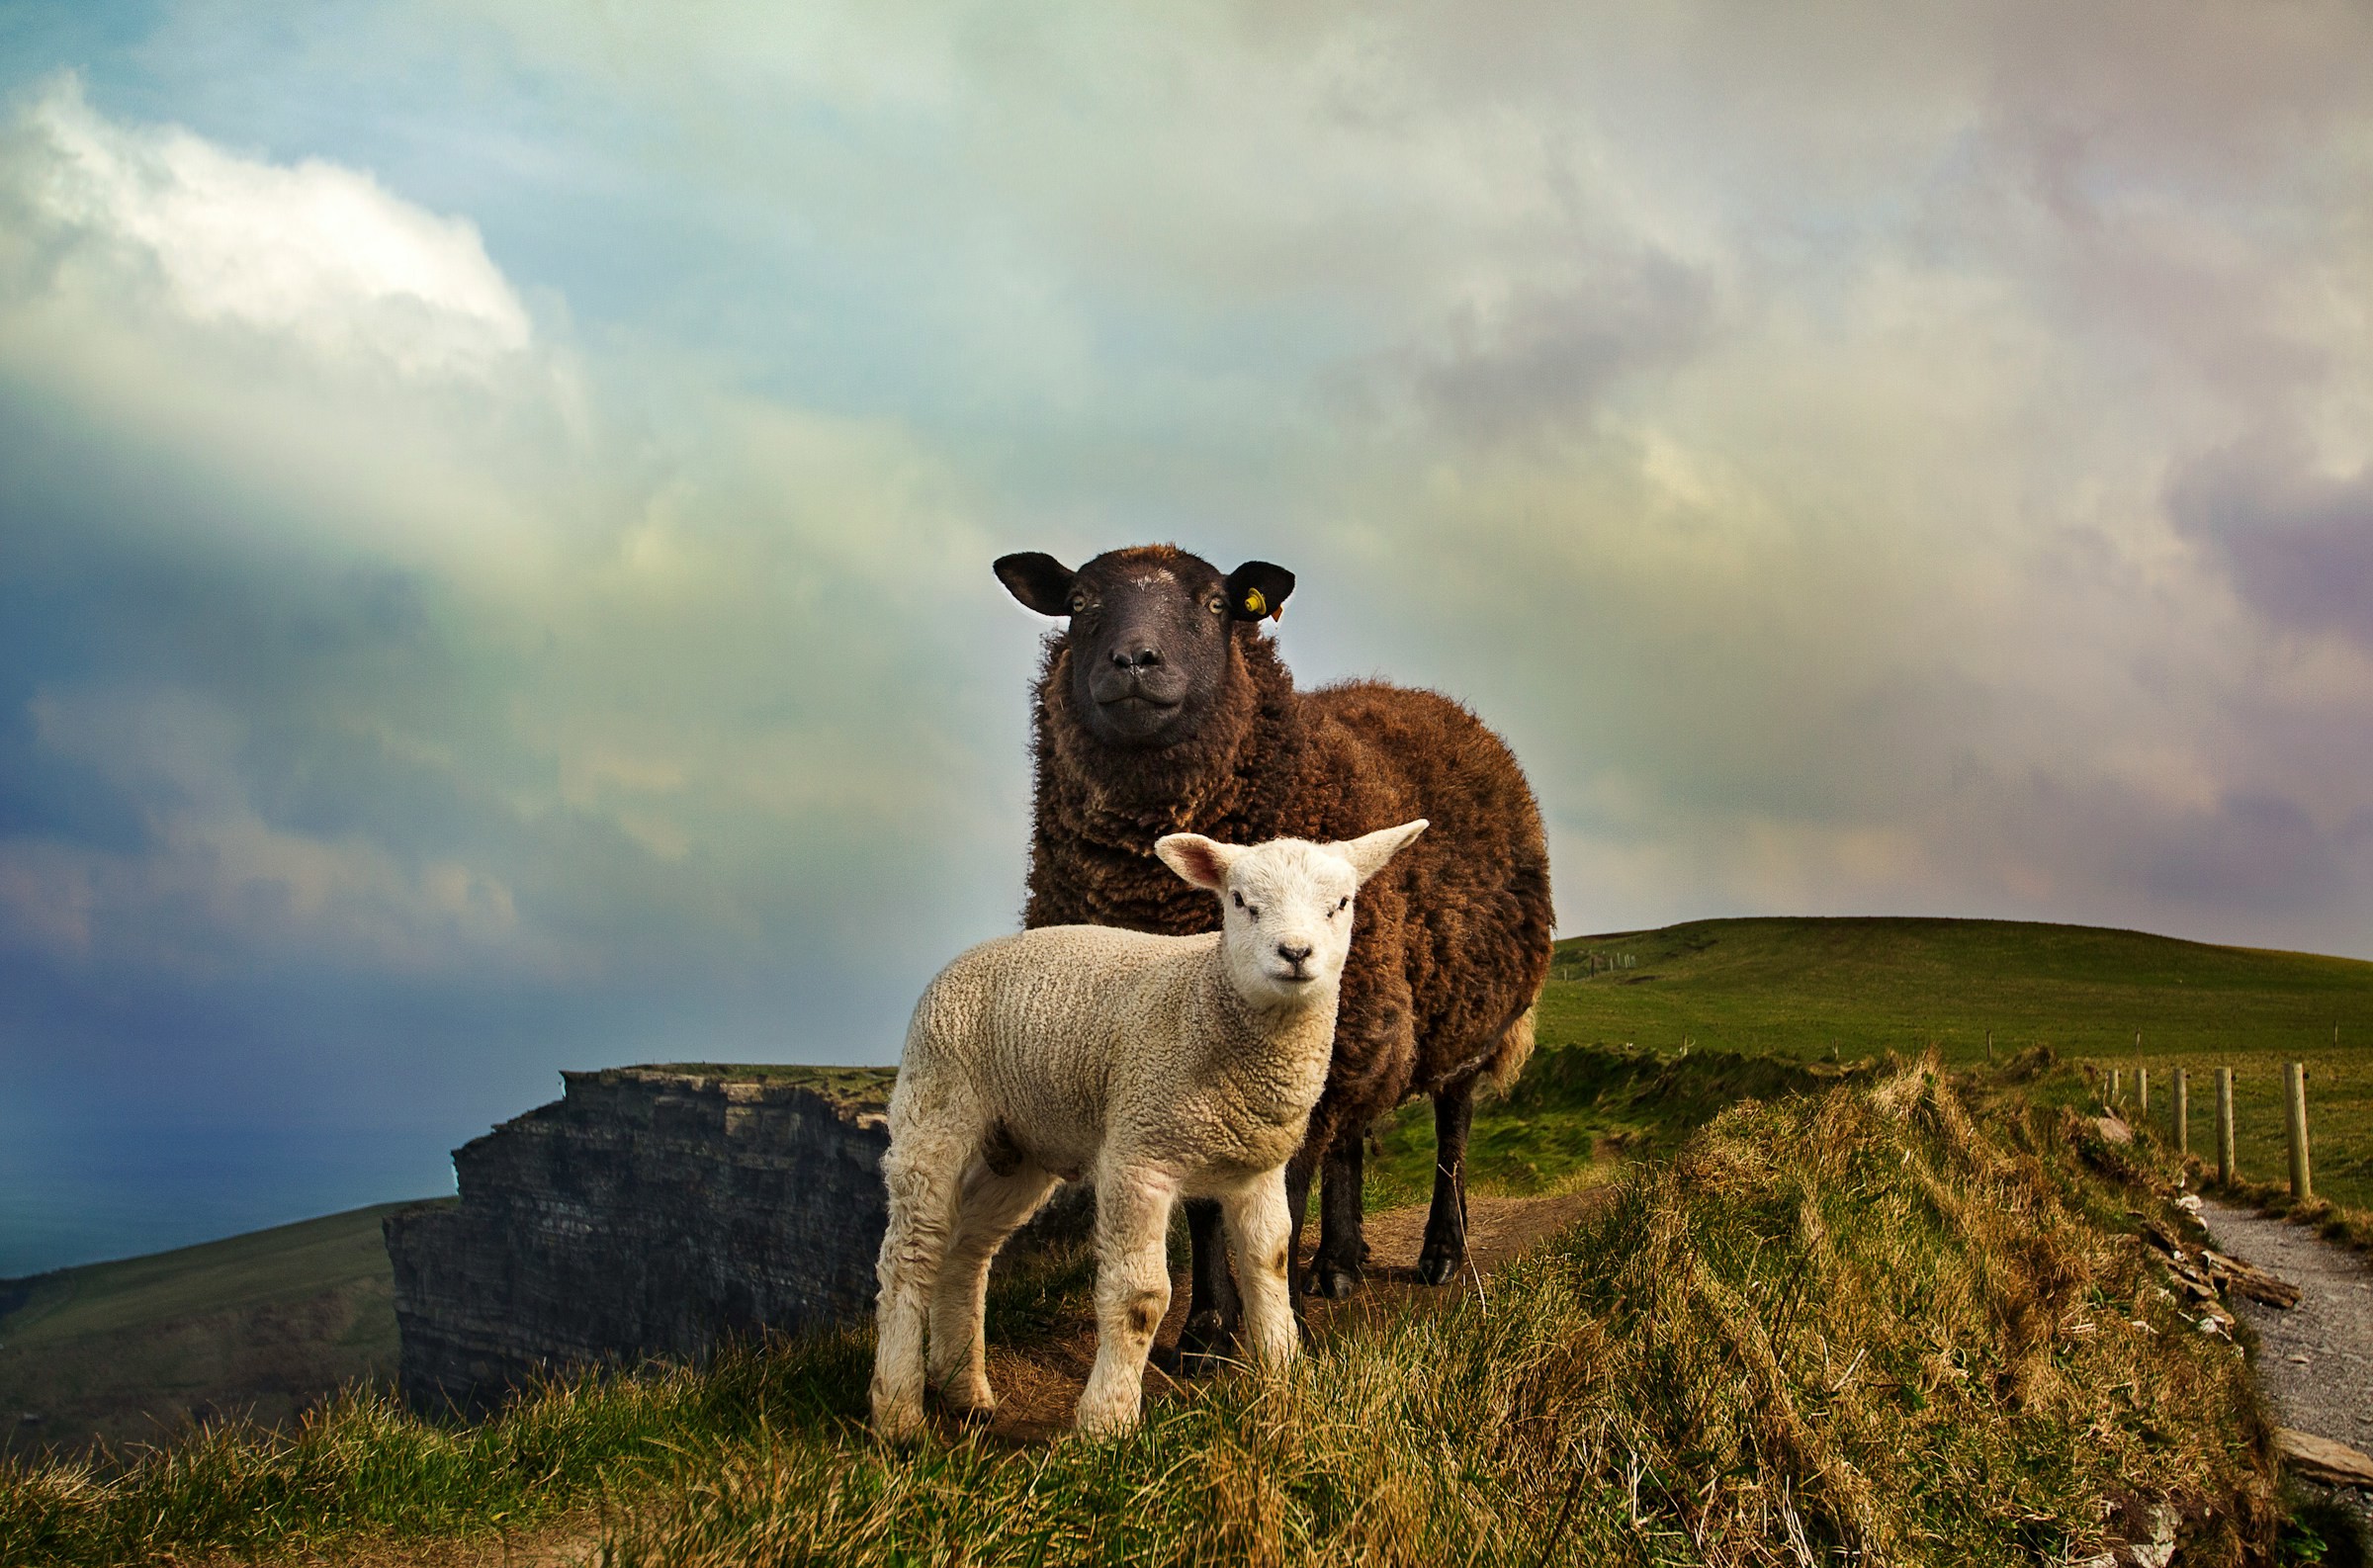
x,y
1368,852
1257,589
1038,580
1201,861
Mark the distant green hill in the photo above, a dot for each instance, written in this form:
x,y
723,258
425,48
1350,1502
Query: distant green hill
x,y
1801,987
1798,985
264,1323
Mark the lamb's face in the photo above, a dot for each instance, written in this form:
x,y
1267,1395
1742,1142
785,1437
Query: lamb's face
x,y
1286,921
1286,906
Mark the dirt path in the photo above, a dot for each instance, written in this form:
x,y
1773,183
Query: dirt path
x,y
2314,1360
1037,1388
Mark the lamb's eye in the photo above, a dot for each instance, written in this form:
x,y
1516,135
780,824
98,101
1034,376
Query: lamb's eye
x,y
1216,605
1344,905
1239,898
1078,603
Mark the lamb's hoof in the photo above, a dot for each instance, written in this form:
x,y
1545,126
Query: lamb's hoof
x,y
972,1404
1334,1283
1439,1265
1206,1343
900,1422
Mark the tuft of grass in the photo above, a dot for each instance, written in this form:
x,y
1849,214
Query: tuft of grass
x,y
1580,1110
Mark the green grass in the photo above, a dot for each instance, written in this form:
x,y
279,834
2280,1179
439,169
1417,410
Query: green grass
x,y
1801,988
865,1087
1796,987
1895,1318
128,1350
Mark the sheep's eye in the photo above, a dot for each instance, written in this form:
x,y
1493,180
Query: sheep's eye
x,y
1078,603
1345,904
1239,898
1216,605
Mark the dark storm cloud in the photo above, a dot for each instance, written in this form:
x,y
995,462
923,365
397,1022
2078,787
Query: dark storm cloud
x,y
2297,544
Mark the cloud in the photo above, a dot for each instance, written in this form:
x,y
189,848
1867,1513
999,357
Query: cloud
x,y
2297,544
315,252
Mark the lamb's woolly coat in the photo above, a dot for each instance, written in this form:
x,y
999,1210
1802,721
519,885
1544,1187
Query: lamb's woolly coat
x,y
1060,1043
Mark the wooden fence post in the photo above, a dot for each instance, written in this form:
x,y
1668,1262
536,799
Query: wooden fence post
x,y
2117,1084
2225,1160
2294,1104
2182,1111
2142,1089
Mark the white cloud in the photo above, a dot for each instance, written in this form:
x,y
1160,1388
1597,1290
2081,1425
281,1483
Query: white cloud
x,y
313,251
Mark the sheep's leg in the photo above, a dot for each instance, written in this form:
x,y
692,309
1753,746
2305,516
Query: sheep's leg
x,y
1213,1308
1445,1223
920,1174
993,1207
1336,1271
1261,1244
1300,1171
1132,1292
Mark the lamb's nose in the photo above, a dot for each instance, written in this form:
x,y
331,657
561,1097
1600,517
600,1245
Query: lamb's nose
x,y
1136,657
1293,954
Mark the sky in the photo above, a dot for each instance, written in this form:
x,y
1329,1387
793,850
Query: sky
x,y
496,499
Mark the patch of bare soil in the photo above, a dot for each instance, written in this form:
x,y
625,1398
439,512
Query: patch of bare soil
x,y
1037,1387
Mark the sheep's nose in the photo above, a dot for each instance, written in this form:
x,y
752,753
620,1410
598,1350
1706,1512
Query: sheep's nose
x,y
1294,954
1136,656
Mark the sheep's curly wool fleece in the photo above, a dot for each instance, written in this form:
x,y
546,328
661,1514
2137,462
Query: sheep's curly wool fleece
x,y
1452,940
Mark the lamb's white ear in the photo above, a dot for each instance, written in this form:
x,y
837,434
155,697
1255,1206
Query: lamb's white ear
x,y
1368,852
1201,861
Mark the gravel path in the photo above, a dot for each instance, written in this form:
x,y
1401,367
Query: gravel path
x,y
2314,1360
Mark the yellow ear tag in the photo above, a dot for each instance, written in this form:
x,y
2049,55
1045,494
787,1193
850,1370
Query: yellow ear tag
x,y
1255,605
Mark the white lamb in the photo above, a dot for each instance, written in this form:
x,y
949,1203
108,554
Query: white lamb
x,y
1165,1066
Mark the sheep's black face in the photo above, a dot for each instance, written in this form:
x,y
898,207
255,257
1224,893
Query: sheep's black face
x,y
1149,632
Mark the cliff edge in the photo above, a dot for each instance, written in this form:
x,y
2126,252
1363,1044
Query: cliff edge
x,y
650,1211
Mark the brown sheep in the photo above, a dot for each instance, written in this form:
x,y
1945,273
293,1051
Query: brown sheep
x,y
1161,707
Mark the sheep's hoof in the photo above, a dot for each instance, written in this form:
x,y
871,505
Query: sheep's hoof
x,y
1206,1343
1334,1283
1439,1265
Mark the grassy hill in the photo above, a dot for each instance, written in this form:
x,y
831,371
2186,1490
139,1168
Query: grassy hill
x,y
1797,987
1777,997
263,1324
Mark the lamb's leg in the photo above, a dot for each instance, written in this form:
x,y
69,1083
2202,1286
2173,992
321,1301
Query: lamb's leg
x,y
1336,1271
993,1207
1261,1241
1132,1291
1213,1309
920,1174
1446,1224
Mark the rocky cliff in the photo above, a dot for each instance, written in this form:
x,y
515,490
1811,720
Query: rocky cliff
x,y
652,1211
